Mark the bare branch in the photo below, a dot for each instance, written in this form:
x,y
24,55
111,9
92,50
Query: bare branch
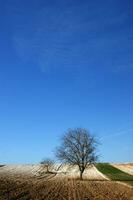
x,y
78,147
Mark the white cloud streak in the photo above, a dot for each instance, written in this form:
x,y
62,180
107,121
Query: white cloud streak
x,y
118,133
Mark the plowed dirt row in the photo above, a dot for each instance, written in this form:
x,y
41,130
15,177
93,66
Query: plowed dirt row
x,y
23,187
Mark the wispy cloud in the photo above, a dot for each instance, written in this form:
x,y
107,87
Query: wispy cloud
x,y
118,133
60,37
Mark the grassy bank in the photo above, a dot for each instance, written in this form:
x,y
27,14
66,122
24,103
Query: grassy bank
x,y
114,173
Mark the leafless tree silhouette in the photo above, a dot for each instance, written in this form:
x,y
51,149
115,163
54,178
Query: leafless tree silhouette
x,y
47,163
78,147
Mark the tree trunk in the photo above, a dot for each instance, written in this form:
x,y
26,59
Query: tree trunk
x,y
81,172
47,169
81,175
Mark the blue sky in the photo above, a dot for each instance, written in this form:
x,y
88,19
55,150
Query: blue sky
x,y
65,64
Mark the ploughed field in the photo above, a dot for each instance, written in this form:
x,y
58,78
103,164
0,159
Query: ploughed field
x,y
32,182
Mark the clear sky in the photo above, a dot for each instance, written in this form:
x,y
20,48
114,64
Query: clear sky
x,y
65,64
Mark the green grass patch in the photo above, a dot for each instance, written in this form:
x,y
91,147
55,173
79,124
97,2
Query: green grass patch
x,y
114,174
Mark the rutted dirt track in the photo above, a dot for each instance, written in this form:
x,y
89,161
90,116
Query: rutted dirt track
x,y
26,186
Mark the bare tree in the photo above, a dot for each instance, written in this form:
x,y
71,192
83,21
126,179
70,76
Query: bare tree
x,y
47,163
78,147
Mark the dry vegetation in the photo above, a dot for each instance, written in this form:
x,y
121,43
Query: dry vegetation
x,y
50,186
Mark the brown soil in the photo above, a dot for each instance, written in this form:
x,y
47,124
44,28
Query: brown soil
x,y
48,187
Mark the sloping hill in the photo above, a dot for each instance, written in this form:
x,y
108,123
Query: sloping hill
x,y
60,170
126,167
114,173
